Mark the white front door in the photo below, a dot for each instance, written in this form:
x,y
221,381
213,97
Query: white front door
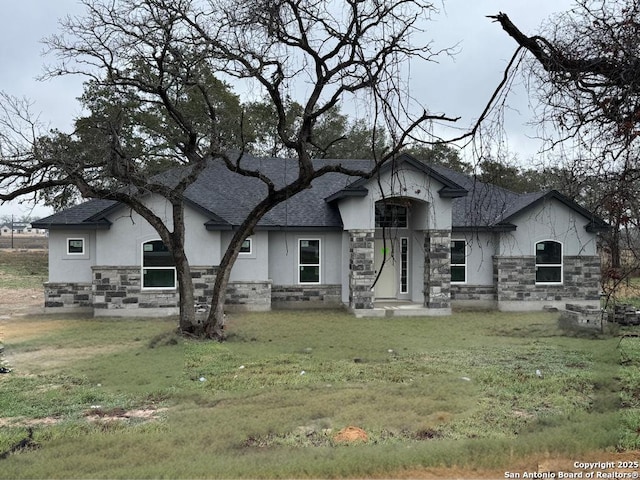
x,y
387,284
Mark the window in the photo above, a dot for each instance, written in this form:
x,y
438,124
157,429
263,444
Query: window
x,y
404,265
389,215
548,262
247,247
309,261
158,269
75,246
458,261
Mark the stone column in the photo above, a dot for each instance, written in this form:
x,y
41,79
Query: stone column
x,y
437,270
361,269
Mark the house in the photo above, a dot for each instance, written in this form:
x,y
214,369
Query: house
x,y
5,229
414,240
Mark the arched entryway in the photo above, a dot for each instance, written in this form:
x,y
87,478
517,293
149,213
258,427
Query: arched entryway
x,y
392,249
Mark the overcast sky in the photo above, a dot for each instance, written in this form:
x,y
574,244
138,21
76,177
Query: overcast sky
x,y
457,87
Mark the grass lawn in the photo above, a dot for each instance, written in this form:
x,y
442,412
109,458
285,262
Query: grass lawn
x,y
129,399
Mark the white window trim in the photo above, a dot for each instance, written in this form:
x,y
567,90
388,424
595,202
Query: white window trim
x,y
143,268
84,246
561,264
250,252
319,264
466,256
406,290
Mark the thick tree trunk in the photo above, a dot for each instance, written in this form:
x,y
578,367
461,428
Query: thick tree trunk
x,y
215,323
187,321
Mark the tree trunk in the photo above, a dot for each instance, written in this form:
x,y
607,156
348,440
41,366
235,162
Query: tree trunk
x,y
215,323
187,321
187,308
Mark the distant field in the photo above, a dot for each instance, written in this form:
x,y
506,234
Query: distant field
x,y
24,241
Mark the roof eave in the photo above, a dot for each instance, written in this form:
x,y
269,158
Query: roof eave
x,y
213,226
500,227
272,228
597,227
595,224
448,192
347,192
99,225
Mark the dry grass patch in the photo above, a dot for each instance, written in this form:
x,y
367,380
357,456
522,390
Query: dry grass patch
x,y
23,329
52,360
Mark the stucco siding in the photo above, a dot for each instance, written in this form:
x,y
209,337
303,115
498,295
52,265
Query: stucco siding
x,y
252,266
480,248
122,243
283,256
65,267
434,212
550,220
345,268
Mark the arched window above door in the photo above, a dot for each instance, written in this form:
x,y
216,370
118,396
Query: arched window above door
x,y
391,215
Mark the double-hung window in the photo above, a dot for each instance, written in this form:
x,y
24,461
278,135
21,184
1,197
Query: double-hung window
x,y
458,261
548,262
309,260
158,268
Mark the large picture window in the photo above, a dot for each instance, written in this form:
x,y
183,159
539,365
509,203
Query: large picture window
x,y
548,262
458,261
309,260
158,269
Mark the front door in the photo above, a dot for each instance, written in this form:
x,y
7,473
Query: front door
x,y
387,284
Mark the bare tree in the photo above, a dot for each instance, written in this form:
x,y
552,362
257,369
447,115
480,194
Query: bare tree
x,y
586,70
156,61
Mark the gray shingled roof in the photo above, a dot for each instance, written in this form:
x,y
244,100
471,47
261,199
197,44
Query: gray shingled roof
x,y
227,198
88,214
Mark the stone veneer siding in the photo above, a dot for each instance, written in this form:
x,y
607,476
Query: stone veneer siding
x,y
248,296
306,296
68,295
473,294
361,269
118,288
515,279
437,269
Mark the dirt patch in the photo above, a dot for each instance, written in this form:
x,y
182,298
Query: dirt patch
x,y
94,415
23,301
99,414
351,434
27,422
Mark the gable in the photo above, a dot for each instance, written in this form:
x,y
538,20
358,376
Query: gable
x,y
550,218
226,198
